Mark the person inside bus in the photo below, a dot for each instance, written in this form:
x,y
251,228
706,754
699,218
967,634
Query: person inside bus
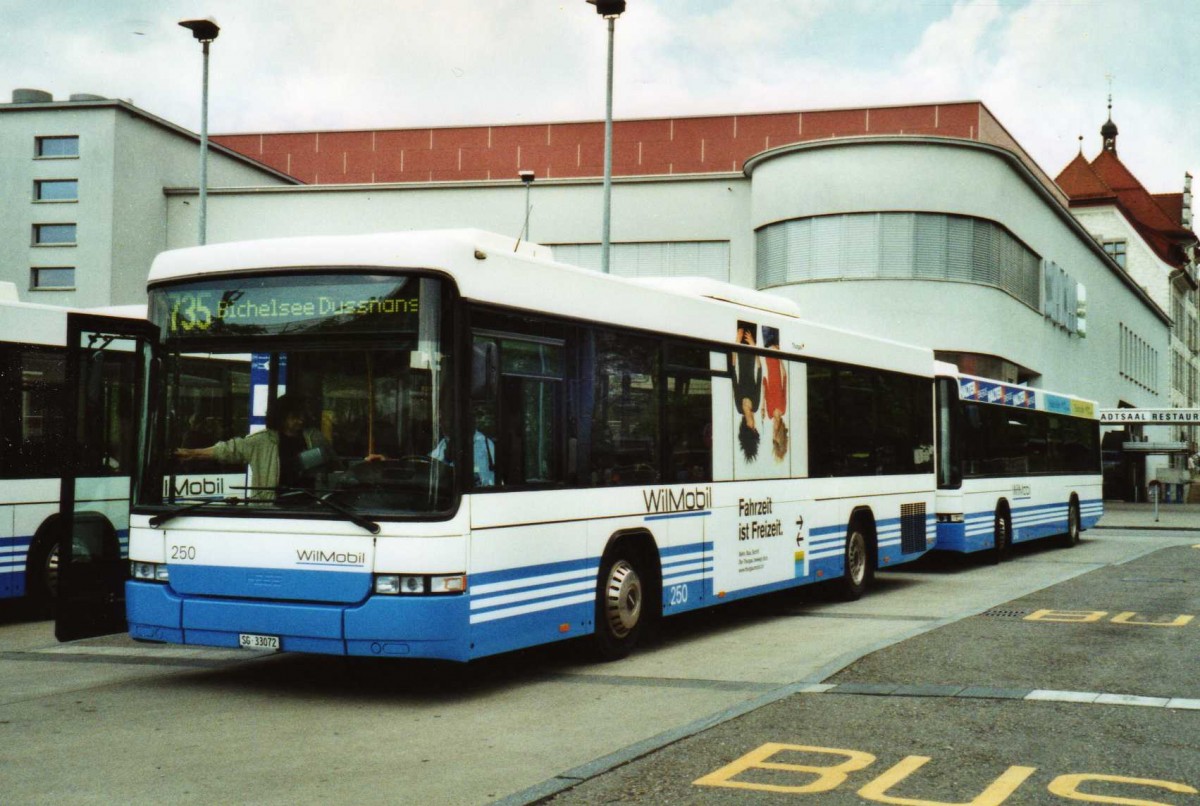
x,y
277,455
484,453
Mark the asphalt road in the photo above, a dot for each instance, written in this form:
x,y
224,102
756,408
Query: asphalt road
x,y
1088,689
913,671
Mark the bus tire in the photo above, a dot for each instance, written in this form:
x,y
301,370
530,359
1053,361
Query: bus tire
x,y
624,601
1001,535
41,568
1070,537
859,569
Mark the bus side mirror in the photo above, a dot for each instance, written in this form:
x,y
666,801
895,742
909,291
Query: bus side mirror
x,y
485,370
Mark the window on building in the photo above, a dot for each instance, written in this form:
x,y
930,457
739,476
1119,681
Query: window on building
x,y
660,259
56,147
1116,250
53,234
45,278
1139,361
885,246
56,190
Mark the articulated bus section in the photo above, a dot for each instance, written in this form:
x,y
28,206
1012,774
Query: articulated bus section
x,y
1018,464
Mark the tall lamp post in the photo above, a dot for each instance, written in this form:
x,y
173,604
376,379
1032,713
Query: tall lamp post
x,y
609,10
205,31
526,179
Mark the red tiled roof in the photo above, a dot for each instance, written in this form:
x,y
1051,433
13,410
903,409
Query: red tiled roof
x,y
1080,181
1171,203
686,145
1156,218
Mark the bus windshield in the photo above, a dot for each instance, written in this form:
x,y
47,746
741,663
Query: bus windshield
x,y
314,393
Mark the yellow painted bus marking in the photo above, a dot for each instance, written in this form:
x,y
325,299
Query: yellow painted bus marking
x,y
996,793
1067,616
1129,617
1067,786
828,778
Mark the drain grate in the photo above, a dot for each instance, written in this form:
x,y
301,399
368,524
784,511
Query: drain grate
x,y
1005,612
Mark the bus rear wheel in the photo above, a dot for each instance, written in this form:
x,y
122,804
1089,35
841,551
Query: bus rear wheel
x,y
858,568
1074,526
622,608
41,572
1001,536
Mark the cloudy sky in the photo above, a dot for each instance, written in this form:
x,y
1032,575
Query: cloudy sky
x,y
1042,66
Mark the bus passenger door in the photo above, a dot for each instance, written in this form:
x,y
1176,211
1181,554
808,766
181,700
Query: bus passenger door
x,y
108,361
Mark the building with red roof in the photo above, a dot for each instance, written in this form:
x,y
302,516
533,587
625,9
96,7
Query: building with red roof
x,y
1151,237
648,147
924,223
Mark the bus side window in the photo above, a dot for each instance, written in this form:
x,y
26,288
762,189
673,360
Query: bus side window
x,y
689,428
39,411
523,408
625,423
688,415
485,388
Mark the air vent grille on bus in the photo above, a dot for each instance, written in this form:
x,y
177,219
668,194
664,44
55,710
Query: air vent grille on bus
x,y
912,527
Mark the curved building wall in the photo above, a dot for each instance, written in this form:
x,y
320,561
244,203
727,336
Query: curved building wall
x,y
947,243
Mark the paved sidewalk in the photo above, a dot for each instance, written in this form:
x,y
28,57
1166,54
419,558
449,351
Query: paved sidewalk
x,y
1121,515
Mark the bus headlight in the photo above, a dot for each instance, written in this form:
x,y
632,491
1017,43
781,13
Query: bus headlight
x,y
149,572
419,584
955,517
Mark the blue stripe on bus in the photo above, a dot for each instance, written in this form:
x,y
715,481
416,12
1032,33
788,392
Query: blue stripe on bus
x,y
524,572
671,515
13,554
976,533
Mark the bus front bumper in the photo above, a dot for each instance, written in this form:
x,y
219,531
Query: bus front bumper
x,y
382,626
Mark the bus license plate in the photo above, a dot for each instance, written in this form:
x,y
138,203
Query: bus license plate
x,y
264,642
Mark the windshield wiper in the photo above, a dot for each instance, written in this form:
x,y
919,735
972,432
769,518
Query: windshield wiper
x,y
327,501
163,517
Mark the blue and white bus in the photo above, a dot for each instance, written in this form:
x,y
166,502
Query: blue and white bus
x,y
499,451
36,452
1015,464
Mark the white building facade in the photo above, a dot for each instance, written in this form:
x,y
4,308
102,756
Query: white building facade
x,y
863,233
82,212
957,242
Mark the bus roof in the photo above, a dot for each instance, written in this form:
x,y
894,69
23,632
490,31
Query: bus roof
x,y
495,269
38,323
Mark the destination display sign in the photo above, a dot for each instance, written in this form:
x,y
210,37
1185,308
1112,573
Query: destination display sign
x,y
307,304
1150,416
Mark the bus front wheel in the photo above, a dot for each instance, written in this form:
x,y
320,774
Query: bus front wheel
x,y
1001,536
622,608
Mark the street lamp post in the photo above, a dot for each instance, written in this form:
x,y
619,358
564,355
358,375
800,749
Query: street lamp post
x,y
609,10
527,179
205,31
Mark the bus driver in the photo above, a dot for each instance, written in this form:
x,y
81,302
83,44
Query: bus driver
x,y
274,454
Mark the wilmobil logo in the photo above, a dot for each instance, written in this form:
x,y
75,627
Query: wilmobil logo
x,y
337,559
193,487
665,501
